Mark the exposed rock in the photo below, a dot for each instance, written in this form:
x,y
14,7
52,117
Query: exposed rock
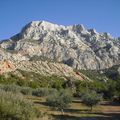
x,y
73,45
43,68
93,32
6,66
50,68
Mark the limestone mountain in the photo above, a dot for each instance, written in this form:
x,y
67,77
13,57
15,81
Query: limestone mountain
x,y
73,45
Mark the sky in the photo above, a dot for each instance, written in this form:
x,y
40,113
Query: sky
x,y
103,15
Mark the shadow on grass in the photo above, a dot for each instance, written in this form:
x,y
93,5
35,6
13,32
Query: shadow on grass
x,y
77,101
76,110
110,104
42,103
103,117
65,110
84,114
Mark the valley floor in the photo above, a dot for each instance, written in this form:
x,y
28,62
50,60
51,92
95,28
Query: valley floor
x,y
77,111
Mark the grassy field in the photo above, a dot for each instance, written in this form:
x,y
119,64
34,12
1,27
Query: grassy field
x,y
77,111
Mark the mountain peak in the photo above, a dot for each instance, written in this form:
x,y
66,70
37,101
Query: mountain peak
x,y
38,23
44,24
93,31
73,45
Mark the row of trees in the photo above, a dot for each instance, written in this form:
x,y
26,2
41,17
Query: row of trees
x,y
59,99
63,98
91,93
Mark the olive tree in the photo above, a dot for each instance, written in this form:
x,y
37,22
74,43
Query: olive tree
x,y
91,99
60,99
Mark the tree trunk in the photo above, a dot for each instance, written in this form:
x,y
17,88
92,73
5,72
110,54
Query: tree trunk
x,y
62,111
91,108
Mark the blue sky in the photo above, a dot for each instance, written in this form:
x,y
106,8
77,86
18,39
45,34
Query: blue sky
x,y
103,15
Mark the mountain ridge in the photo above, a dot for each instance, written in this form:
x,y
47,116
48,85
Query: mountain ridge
x,y
73,45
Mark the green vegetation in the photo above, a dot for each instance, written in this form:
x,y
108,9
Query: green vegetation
x,y
41,92
15,107
106,82
10,88
26,90
112,72
60,99
91,98
94,75
54,90
33,80
103,83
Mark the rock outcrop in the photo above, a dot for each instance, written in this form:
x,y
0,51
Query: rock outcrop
x,y
43,68
50,68
74,45
6,66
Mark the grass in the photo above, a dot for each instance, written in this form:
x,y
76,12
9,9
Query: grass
x,y
77,110
33,91
105,111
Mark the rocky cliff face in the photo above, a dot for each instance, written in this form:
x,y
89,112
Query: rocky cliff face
x,y
49,68
6,66
42,67
73,45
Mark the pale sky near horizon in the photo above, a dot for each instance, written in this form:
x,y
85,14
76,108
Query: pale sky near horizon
x,y
103,15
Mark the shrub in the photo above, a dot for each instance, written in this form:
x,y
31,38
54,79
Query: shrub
x,y
33,80
60,99
15,107
40,92
111,90
26,90
10,88
81,88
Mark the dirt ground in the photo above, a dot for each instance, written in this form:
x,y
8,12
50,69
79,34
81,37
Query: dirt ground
x,y
77,111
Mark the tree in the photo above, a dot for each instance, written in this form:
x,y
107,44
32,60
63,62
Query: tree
x,y
111,91
91,99
81,88
60,99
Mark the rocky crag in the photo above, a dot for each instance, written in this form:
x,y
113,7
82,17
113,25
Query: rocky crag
x,y
74,45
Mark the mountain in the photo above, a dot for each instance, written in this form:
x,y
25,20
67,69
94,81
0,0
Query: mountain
x,y
73,45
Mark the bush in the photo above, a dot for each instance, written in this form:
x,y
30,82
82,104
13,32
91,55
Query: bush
x,y
111,90
40,92
81,88
32,79
91,98
10,88
15,107
60,99
26,90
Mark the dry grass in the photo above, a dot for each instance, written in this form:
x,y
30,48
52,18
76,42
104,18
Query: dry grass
x,y
77,111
